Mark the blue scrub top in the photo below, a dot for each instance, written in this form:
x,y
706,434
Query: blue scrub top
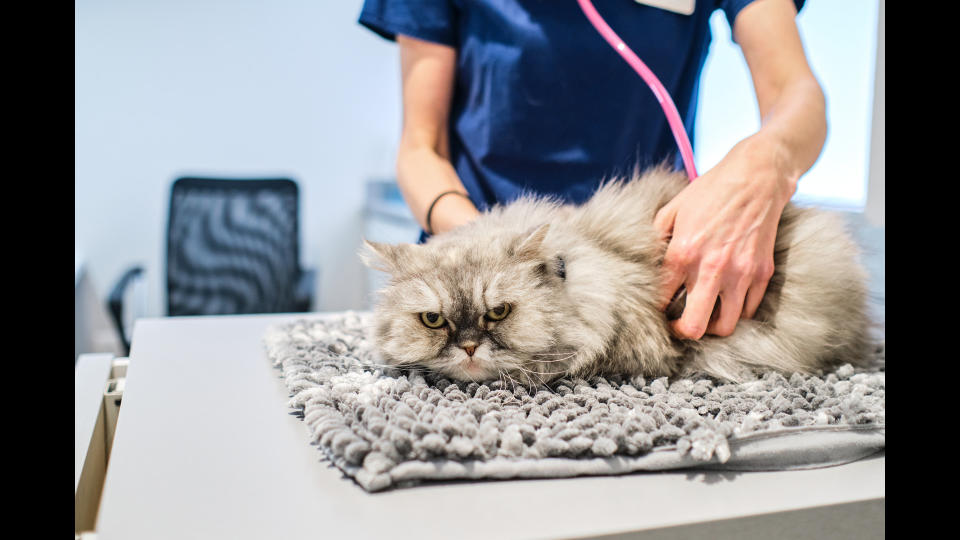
x,y
541,102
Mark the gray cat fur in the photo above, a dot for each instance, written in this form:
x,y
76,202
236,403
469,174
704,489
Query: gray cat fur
x,y
602,317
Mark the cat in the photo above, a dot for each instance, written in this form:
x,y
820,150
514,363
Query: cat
x,y
537,290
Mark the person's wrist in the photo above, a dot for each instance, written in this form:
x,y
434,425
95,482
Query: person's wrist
x,y
772,161
451,211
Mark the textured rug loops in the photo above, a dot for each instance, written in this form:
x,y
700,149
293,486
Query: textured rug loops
x,y
386,428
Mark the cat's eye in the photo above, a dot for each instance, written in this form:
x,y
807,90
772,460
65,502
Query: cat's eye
x,y
498,313
432,320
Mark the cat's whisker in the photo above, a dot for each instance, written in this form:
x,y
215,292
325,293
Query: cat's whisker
x,y
521,368
389,366
501,377
507,378
564,359
472,379
527,374
400,366
532,388
554,357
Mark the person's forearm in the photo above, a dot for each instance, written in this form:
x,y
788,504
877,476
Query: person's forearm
x,y
794,129
422,175
423,159
789,98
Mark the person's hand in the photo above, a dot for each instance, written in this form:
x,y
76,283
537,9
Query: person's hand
x,y
721,231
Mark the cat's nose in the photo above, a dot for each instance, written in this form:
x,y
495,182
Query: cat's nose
x,y
469,347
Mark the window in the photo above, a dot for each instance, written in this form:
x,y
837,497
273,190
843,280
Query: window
x,y
840,41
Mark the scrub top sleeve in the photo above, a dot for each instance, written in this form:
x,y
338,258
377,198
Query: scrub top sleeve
x,y
731,8
429,20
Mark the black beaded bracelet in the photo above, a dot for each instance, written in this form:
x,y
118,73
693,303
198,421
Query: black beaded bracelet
x,y
434,203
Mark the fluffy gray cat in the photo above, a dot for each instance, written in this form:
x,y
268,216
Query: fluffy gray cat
x,y
537,290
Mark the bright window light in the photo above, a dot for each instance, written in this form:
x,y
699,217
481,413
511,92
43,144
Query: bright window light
x,y
840,41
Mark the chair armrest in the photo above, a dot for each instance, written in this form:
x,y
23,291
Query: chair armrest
x,y
303,291
115,301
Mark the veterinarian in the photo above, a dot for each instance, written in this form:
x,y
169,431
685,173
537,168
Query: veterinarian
x,y
506,96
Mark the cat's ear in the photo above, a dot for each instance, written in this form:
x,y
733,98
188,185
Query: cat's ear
x,y
528,245
385,257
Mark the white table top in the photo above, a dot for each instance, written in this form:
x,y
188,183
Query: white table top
x,y
205,447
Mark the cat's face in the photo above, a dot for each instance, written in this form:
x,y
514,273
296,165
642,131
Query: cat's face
x,y
478,308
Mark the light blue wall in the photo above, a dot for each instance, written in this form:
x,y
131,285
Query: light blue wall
x,y
239,87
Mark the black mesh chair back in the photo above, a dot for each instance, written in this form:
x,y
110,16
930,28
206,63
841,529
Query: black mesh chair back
x,y
233,247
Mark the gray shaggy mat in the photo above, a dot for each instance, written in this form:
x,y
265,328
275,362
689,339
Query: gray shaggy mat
x,y
386,428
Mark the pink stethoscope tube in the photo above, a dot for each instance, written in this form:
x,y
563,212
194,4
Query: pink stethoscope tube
x,y
669,109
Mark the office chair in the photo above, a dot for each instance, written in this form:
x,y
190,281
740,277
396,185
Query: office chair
x,y
232,248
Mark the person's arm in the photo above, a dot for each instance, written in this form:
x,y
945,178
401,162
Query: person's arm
x,y
423,159
722,227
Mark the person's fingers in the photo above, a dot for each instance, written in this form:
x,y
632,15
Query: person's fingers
x,y
757,289
752,301
731,305
737,280
673,277
674,309
701,299
673,273
663,220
